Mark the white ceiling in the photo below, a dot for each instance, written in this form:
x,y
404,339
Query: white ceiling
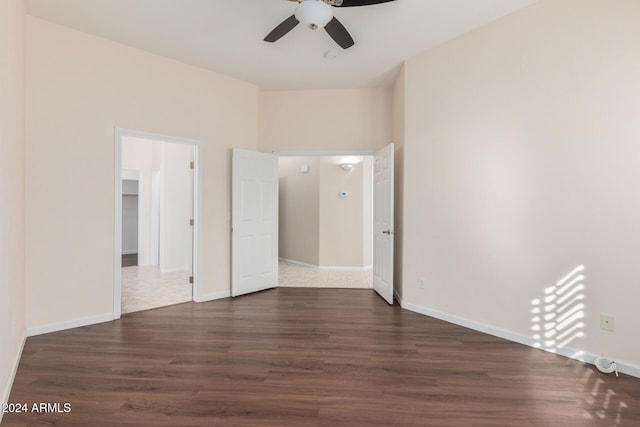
x,y
226,36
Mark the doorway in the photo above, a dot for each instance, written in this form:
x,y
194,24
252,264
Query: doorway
x,y
325,221
157,220
255,221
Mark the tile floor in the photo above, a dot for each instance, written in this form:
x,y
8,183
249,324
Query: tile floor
x,y
146,287
293,275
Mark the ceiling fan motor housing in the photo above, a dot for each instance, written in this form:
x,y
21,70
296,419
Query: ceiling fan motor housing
x,y
318,13
314,13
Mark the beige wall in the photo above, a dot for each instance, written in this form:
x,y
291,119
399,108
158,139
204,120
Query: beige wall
x,y
12,86
521,164
341,218
329,120
299,209
79,87
317,226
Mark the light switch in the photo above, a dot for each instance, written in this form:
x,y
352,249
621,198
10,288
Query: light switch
x,y
304,168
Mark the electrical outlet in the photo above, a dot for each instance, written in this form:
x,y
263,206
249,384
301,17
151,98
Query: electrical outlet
x,y
421,283
607,323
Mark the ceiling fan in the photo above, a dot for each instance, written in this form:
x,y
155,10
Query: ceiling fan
x,y
317,13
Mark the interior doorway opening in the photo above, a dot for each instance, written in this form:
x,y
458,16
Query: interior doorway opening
x,y
157,221
325,221
255,220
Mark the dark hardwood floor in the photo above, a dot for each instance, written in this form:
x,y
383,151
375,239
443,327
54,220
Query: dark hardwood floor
x,y
129,260
307,357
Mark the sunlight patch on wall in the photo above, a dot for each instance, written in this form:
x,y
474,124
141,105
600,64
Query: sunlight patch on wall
x,y
557,319
558,315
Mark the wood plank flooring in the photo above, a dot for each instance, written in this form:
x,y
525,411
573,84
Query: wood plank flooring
x,y
307,357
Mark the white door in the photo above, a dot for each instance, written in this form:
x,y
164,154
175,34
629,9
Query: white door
x,y
254,241
383,223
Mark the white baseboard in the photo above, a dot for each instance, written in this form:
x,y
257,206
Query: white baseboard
x,y
397,297
12,376
326,267
69,324
300,263
175,270
214,296
573,353
347,268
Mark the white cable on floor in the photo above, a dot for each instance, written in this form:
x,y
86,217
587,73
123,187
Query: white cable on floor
x,y
606,365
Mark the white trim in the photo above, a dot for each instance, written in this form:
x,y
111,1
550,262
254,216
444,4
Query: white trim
x,y
294,153
175,270
12,376
572,353
198,215
300,263
117,225
397,296
326,267
154,199
69,324
214,296
198,210
345,268
132,175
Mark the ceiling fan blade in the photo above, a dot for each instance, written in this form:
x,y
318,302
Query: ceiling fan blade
x,y
285,26
339,33
351,3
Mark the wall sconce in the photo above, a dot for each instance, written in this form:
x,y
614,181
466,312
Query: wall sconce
x,y
346,166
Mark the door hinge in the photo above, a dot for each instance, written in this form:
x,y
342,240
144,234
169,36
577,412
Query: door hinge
x,y
192,165
191,222
191,279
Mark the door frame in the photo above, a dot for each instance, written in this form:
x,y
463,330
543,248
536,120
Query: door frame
x,y
326,153
119,134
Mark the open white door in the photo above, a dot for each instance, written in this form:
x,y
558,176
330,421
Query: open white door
x,y
383,223
254,241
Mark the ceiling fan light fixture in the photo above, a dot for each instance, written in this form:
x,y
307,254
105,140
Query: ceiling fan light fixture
x,y
314,13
